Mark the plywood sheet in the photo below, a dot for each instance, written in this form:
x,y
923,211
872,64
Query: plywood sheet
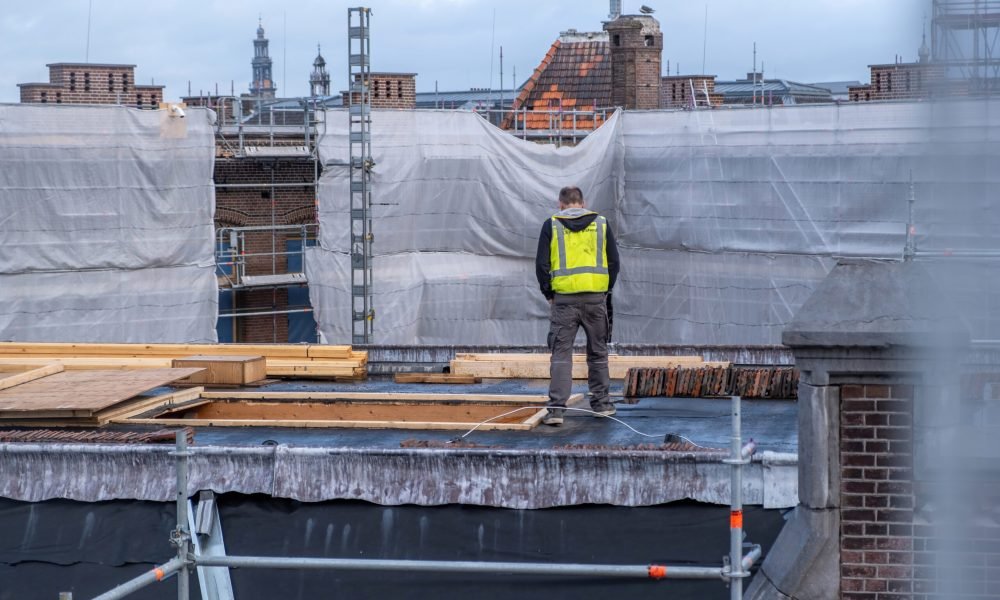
x,y
82,392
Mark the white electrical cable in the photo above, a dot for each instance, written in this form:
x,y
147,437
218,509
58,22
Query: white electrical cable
x,y
586,410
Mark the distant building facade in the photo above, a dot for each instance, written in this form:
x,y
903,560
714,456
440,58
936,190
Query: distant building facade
x,y
689,91
92,83
903,80
756,90
390,90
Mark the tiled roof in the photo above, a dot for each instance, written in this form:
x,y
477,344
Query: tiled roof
x,y
573,75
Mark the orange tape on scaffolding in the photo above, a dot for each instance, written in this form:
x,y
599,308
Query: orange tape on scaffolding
x,y
657,571
158,572
736,519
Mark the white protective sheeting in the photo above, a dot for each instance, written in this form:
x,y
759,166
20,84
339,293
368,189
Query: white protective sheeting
x,y
106,224
166,304
726,219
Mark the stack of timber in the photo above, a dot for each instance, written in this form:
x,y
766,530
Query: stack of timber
x,y
303,361
87,398
711,381
536,366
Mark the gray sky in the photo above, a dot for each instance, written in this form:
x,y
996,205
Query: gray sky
x,y
209,42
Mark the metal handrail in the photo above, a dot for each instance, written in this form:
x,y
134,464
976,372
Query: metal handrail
x,y
231,248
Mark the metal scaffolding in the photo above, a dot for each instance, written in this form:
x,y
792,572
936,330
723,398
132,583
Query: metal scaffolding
x,y
359,110
964,42
287,130
198,540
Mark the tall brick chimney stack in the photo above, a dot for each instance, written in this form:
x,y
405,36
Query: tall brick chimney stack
x,y
636,44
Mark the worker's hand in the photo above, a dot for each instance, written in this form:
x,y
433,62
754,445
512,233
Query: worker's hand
x,y
551,300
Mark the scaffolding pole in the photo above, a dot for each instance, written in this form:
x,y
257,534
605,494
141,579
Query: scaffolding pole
x,y
359,111
443,566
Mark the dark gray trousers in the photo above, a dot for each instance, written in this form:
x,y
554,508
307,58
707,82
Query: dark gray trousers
x,y
568,313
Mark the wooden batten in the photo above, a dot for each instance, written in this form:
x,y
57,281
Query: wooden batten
x,y
31,374
436,378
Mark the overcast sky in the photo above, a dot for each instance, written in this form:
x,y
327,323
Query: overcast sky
x,y
209,42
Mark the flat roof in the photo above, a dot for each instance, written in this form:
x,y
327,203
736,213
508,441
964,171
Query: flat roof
x,y
75,64
46,84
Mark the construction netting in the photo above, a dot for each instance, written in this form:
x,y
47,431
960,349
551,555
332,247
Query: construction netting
x,y
727,220
106,224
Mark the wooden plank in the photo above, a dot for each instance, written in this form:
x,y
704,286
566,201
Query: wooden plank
x,y
301,423
83,390
436,378
234,369
30,375
536,418
141,405
102,363
417,397
324,351
304,371
539,369
175,350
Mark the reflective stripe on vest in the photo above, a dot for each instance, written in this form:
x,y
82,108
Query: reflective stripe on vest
x,y
579,278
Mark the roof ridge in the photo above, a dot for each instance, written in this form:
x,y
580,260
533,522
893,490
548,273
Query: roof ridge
x,y
530,84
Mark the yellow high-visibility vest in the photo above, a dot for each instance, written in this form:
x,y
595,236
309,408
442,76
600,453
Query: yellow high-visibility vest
x,y
579,259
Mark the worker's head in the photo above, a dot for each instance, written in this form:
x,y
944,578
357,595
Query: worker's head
x,y
569,197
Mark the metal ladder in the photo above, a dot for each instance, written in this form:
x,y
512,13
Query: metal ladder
x,y
359,111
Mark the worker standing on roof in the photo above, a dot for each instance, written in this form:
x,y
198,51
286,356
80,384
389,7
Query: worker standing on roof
x,y
576,266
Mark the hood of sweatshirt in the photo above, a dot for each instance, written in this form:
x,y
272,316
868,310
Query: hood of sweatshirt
x,y
575,218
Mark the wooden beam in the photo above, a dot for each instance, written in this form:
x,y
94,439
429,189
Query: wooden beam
x,y
425,425
302,351
538,368
436,378
141,405
90,363
375,396
30,375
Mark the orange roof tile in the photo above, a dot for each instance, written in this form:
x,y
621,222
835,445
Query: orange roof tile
x,y
571,75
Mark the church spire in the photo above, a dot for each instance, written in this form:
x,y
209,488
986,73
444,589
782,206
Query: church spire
x,y
924,52
262,84
319,81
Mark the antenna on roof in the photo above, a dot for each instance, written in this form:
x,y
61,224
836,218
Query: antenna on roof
x,y
704,41
492,39
646,10
90,9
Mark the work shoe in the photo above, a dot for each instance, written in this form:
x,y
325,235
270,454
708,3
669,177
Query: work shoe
x,y
605,411
553,418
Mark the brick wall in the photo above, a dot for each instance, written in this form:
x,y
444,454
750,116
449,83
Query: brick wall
x,y
902,81
71,83
636,47
877,492
260,207
676,90
392,90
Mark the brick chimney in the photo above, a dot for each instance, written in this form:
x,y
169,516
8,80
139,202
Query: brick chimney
x,y
636,44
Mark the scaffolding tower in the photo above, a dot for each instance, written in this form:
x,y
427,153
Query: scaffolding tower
x,y
964,42
359,110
